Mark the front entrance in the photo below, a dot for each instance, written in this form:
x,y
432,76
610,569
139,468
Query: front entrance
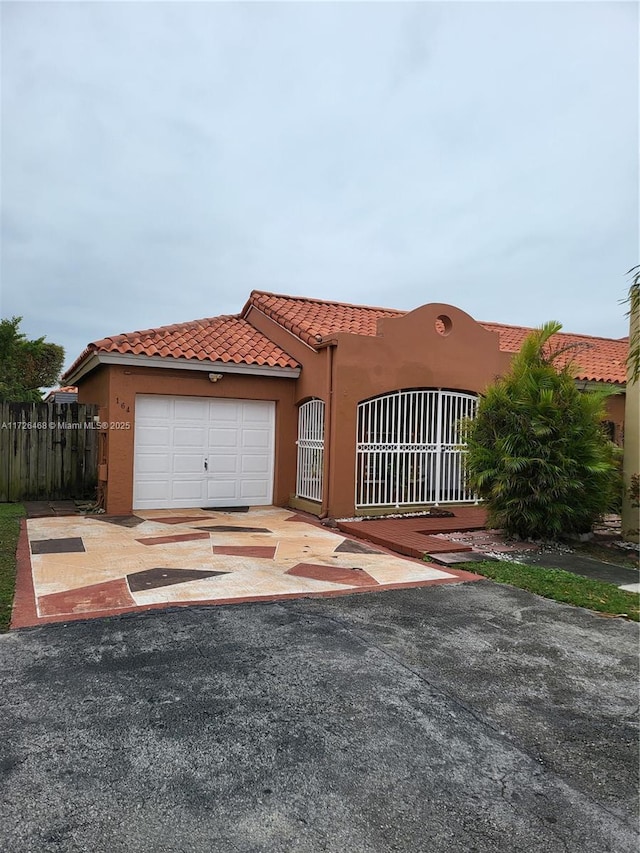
x,y
310,450
195,451
411,449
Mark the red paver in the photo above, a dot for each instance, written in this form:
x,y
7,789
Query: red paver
x,y
87,599
261,551
415,537
24,602
333,574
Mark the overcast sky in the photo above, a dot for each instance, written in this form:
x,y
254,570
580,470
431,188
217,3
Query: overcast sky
x,y
160,160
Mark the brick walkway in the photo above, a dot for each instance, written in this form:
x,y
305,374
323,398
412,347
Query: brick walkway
x,y
415,536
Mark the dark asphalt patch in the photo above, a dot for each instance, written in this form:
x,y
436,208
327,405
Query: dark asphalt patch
x,y
588,567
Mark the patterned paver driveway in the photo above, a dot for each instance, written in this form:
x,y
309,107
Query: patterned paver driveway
x,y
77,567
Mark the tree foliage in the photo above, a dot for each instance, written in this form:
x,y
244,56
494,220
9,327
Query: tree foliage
x,y
633,301
26,365
538,454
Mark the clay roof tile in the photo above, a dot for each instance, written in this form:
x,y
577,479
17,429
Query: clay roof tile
x,y
596,359
232,338
225,338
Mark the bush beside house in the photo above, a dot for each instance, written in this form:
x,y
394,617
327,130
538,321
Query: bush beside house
x,y
538,454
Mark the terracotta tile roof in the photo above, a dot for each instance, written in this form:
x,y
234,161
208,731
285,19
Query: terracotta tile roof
x,y
227,339
309,319
232,339
599,359
595,359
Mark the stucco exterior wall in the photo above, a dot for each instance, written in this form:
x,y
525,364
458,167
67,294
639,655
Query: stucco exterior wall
x,y
435,346
116,388
409,352
94,387
313,380
615,413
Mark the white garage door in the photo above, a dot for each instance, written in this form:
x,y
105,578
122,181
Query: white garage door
x,y
195,452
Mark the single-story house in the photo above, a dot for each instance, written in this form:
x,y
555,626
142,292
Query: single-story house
x,y
333,408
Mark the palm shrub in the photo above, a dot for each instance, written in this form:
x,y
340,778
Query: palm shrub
x,y
537,451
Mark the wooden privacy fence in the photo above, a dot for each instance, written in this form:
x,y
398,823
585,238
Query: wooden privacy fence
x,y
48,451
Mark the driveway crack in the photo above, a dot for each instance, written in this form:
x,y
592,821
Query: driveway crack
x,y
481,719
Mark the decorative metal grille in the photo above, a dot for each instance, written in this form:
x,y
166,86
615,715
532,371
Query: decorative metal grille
x,y
310,450
411,447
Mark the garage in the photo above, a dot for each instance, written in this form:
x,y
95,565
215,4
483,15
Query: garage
x,y
202,452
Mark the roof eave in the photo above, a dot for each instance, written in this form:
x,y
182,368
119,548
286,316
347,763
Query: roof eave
x,y
131,360
595,384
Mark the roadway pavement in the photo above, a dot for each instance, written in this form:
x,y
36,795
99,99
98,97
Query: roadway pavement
x,y
461,717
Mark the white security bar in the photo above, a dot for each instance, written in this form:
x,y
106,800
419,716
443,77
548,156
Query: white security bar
x,y
310,450
411,448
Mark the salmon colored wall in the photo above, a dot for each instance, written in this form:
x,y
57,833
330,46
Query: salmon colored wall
x,y
313,381
407,353
615,413
94,387
123,385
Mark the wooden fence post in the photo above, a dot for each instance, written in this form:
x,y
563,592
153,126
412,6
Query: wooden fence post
x,y
48,451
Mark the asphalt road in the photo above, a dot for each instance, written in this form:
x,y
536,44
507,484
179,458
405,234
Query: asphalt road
x,y
464,718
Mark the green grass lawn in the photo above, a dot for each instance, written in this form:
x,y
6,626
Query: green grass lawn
x,y
562,586
10,515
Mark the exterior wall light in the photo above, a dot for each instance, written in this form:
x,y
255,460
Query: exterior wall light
x,y
214,377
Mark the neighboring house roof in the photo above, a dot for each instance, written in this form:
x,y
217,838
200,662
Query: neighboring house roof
x,y
66,390
226,339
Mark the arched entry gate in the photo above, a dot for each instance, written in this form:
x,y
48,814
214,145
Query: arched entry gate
x,y
310,450
411,448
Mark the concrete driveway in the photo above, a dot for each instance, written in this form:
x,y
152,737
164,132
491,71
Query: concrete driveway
x,y
468,717
77,566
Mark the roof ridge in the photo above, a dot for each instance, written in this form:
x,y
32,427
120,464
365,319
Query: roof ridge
x,y
172,327
327,302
